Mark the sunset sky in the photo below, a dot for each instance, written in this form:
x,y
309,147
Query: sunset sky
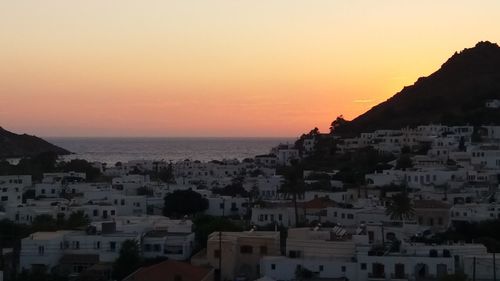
x,y
219,67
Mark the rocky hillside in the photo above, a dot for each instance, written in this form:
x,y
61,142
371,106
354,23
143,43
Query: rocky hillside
x,y
14,145
454,94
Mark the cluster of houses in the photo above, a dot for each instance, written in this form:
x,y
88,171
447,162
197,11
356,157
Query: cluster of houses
x,y
349,234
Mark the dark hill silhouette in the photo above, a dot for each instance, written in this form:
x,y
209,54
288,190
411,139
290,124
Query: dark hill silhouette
x,y
14,145
455,94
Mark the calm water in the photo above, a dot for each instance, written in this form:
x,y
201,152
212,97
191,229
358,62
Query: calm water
x,y
112,150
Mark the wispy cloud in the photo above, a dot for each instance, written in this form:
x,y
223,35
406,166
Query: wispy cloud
x,y
363,101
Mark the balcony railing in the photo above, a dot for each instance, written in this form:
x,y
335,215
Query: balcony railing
x,y
376,276
399,276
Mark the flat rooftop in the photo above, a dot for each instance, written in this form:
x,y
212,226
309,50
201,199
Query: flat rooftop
x,y
48,235
244,234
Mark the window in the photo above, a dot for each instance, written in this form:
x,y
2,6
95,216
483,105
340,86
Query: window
x,y
157,247
216,254
78,268
112,212
280,217
294,254
147,247
98,245
343,268
221,205
363,266
174,250
112,246
245,249
95,213
263,250
273,266
321,268
41,250
5,198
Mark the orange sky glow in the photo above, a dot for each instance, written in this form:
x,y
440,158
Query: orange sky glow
x,y
221,67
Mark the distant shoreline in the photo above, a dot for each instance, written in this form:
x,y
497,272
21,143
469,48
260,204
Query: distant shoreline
x,y
122,149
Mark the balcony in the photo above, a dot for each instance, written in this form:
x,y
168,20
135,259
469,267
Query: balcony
x,y
376,276
399,277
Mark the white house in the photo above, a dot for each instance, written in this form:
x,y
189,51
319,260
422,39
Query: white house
x,y
12,187
226,206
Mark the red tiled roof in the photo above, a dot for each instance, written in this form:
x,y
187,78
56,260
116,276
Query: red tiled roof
x,y
168,270
318,203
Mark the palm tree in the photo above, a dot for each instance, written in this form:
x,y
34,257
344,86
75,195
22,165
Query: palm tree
x,y
293,185
400,207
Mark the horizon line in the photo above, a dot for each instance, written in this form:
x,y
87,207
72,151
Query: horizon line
x,y
178,137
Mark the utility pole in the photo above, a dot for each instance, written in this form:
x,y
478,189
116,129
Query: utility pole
x,y
474,269
220,256
383,238
494,268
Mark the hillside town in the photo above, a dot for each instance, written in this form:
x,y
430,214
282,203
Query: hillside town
x,y
409,204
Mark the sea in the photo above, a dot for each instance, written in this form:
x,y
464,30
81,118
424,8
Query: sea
x,y
112,150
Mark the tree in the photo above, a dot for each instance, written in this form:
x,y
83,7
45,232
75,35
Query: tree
x,y
128,261
44,223
338,122
11,233
184,202
404,162
37,165
81,166
461,144
234,189
77,220
167,174
294,184
204,225
400,207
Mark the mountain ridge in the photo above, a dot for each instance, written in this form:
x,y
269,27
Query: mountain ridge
x,y
454,94
14,145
